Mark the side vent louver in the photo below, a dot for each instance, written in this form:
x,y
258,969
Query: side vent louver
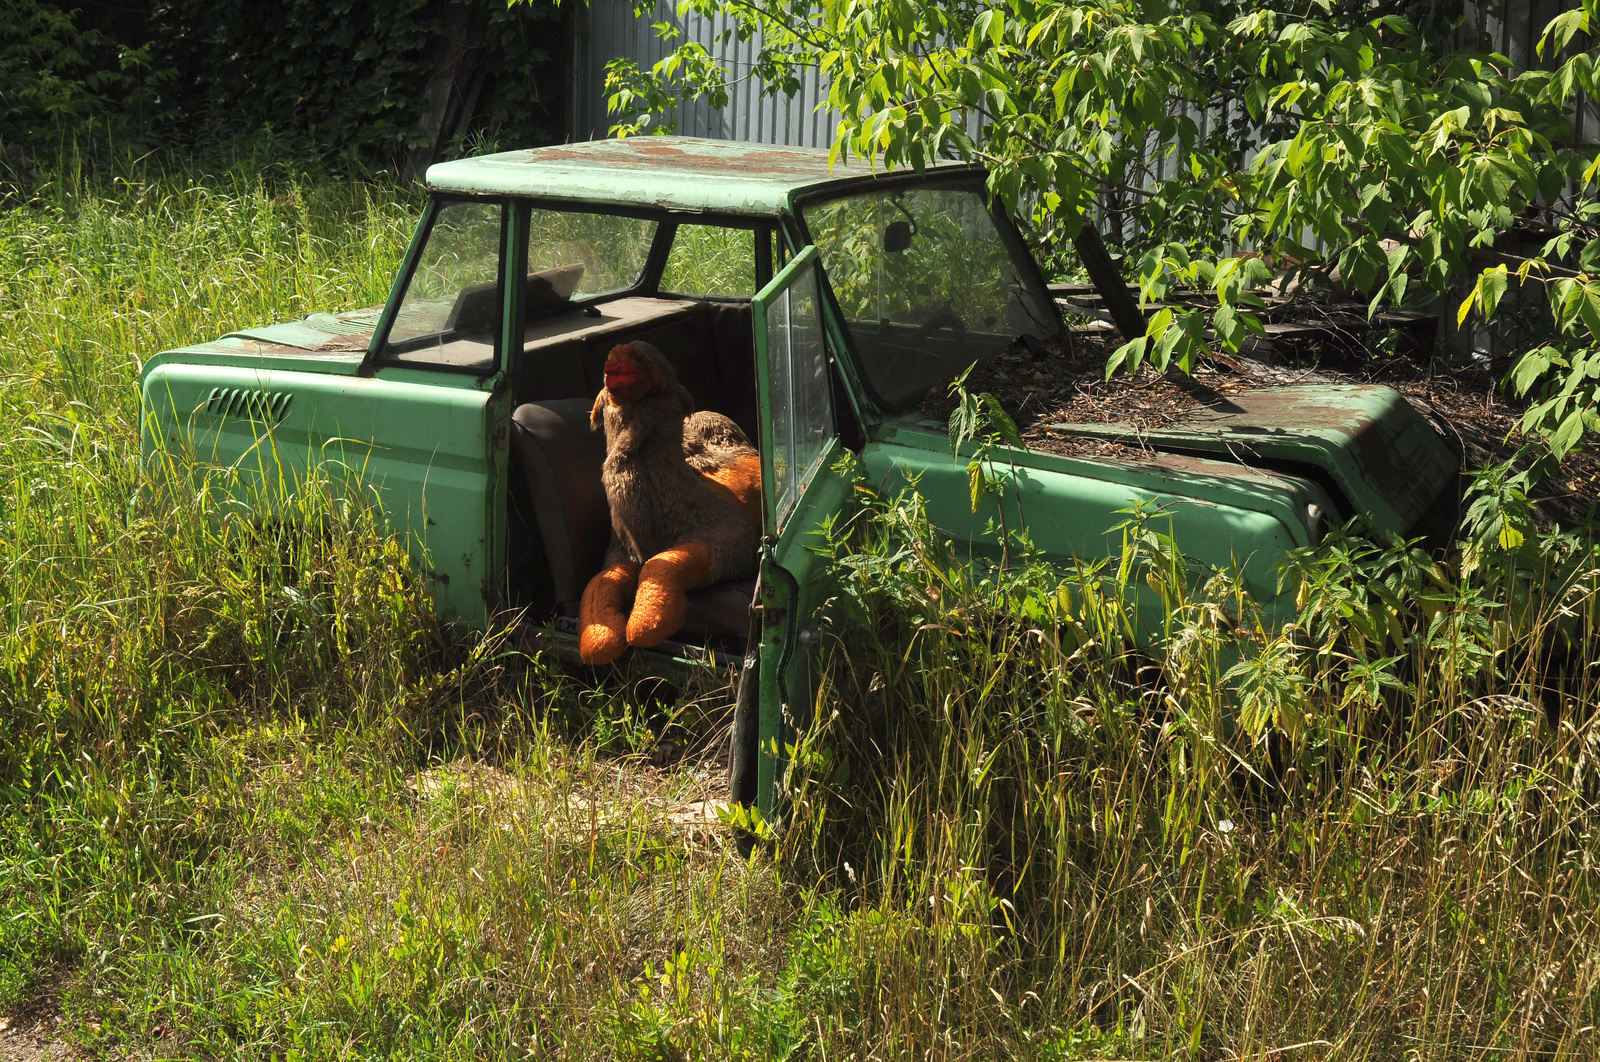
x,y
265,407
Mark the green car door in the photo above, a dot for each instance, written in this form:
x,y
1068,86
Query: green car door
x,y
799,449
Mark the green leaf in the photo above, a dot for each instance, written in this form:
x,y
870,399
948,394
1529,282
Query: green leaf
x,y
1529,368
1002,423
1132,353
1161,357
1566,436
1562,29
1589,308
1491,285
980,27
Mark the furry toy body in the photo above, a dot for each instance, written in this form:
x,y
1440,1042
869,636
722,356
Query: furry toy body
x,y
685,496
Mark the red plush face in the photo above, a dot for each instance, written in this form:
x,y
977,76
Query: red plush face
x,y
631,376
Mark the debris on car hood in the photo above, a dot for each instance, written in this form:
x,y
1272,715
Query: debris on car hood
x,y
1124,418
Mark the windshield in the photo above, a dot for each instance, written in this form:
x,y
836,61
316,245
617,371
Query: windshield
x,y
928,283
452,302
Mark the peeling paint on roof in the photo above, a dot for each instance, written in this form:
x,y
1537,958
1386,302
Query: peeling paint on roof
x,y
669,172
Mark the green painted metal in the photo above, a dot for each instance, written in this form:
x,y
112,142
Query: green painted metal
x,y
292,345
794,583
1223,515
1378,456
428,448
676,173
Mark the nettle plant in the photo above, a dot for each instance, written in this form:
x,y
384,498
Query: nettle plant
x,y
1387,156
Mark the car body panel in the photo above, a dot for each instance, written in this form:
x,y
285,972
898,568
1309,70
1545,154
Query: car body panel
x,y
323,342
1223,516
1381,459
428,448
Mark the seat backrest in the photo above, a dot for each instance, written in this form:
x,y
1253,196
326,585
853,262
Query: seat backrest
x,y
734,345
558,458
708,342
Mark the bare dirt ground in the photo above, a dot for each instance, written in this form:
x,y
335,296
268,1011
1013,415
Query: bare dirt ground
x,y
1459,396
31,1033
685,802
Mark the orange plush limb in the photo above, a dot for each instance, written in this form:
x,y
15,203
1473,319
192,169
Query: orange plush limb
x,y
661,603
603,613
741,480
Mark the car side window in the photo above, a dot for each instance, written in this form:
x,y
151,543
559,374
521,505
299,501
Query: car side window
x,y
801,393
450,314
711,260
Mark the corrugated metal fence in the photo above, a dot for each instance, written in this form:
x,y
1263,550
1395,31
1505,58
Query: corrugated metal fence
x,y
612,31
609,29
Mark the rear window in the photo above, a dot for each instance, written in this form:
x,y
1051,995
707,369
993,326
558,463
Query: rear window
x,y
711,260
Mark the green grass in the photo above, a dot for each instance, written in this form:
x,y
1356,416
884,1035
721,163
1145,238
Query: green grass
x,y
255,803
222,828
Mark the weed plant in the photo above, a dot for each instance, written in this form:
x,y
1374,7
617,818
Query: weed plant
x,y
255,802
1066,831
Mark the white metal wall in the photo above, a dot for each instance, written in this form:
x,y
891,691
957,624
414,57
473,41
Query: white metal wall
x,y
613,31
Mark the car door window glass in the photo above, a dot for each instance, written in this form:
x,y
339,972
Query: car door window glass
x,y
801,392
450,314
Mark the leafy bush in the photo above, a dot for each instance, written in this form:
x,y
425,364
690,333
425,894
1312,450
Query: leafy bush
x,y
350,79
56,79
1382,153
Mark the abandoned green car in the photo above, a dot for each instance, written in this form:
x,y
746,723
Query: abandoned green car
x,y
816,307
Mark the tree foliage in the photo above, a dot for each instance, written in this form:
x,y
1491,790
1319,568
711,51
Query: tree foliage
x,y
1392,155
352,79
55,75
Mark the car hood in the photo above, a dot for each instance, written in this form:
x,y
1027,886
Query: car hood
x,y
330,342
1374,454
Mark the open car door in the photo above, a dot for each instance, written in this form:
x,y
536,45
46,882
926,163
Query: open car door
x,y
799,449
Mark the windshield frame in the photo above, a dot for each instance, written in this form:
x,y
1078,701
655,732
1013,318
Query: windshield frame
x,y
965,178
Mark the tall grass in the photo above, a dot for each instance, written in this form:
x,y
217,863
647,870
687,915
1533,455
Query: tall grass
x,y
1369,835
255,802
140,616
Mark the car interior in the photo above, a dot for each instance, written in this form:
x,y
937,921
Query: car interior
x,y
559,521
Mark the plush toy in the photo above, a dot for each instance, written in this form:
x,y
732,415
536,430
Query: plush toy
x,y
685,495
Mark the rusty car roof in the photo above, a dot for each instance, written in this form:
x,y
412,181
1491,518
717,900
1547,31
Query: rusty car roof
x,y
670,172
